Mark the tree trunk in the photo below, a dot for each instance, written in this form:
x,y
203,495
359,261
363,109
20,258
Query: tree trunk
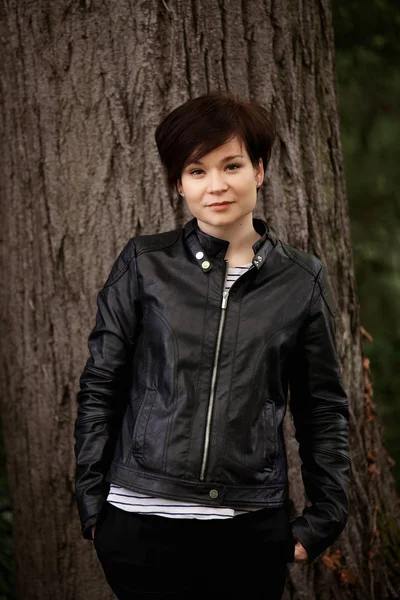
x,y
84,84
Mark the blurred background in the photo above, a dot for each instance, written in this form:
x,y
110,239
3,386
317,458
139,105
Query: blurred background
x,y
367,38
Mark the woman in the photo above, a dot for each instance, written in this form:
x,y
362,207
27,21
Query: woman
x,y
200,333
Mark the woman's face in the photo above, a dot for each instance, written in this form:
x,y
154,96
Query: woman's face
x,y
224,175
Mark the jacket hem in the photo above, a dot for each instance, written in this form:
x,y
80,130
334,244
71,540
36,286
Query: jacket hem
x,y
210,493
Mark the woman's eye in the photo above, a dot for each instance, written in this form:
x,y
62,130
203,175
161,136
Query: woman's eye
x,y
198,171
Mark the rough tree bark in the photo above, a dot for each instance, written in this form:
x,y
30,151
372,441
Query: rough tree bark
x,y
83,85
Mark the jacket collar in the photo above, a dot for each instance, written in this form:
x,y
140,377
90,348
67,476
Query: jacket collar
x,y
205,247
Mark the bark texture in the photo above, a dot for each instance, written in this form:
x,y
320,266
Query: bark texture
x,y
83,86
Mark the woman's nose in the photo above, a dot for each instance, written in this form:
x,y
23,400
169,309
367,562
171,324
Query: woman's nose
x,y
216,183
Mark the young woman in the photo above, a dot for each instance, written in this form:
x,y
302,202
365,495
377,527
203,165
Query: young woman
x,y
202,336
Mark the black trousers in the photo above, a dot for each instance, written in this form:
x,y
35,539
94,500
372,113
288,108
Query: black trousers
x,y
147,556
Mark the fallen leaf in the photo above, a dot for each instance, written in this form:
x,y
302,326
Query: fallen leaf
x,y
332,561
347,577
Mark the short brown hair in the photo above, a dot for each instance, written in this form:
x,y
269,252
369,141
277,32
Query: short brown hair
x,y
204,123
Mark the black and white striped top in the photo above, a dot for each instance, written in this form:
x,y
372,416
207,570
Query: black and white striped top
x,y
142,503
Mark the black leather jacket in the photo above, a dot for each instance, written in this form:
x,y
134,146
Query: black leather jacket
x,y
183,396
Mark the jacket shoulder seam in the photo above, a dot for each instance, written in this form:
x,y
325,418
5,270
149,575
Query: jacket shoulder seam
x,y
324,295
167,244
124,269
316,280
308,268
297,260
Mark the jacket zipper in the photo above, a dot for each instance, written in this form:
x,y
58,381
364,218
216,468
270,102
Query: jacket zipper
x,y
224,304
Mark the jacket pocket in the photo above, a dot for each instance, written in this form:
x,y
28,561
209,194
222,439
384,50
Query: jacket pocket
x,y
261,449
142,421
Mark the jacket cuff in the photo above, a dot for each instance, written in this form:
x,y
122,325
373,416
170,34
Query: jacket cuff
x,y
314,545
87,528
86,525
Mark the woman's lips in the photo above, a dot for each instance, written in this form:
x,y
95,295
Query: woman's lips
x,y
222,206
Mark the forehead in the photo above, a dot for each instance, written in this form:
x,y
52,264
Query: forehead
x,y
233,148
233,145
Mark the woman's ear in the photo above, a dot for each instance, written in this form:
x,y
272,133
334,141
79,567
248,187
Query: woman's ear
x,y
260,169
179,187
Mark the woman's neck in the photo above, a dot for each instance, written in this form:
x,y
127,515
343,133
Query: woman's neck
x,y
238,255
241,236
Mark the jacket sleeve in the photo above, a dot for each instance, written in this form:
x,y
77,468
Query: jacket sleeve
x,y
320,411
102,384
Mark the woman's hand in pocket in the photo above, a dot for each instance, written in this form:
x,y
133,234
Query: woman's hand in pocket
x,y
300,553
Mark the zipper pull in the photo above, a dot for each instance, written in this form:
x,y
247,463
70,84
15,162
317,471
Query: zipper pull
x,y
224,299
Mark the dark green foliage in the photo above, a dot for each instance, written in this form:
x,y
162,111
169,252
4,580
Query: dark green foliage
x,y
367,37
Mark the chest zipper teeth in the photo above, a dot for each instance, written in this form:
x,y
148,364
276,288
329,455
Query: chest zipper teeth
x,y
224,304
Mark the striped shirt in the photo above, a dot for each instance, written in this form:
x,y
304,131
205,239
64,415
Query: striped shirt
x,y
142,503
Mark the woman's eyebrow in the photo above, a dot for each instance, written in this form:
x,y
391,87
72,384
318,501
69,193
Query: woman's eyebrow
x,y
198,162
